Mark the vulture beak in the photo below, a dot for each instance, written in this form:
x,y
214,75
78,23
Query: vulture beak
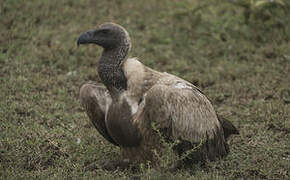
x,y
86,38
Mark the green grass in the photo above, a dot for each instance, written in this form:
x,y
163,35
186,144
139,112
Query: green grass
x,y
243,65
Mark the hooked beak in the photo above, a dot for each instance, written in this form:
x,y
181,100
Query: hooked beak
x,y
86,38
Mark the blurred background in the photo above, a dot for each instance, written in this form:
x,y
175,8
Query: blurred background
x,y
236,51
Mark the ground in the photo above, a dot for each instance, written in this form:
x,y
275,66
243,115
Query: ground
x,y
238,54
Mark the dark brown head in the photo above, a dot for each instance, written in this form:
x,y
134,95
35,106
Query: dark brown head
x,y
108,36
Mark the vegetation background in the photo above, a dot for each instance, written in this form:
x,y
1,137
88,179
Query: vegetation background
x,y
237,51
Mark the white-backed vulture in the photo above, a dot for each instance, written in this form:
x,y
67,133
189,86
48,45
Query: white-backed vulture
x,y
134,97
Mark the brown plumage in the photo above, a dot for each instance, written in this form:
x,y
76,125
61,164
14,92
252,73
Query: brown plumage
x,y
134,97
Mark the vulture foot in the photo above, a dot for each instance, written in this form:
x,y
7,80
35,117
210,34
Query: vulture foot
x,y
111,165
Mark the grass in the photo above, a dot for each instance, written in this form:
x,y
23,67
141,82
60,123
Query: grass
x,y
242,64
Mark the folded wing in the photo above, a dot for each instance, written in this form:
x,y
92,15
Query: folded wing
x,y
186,114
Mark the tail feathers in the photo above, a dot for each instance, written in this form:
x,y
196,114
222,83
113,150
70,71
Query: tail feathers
x,y
228,127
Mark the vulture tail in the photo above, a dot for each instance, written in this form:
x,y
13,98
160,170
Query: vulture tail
x,y
228,127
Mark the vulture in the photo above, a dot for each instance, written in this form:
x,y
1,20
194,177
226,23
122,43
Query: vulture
x,y
135,107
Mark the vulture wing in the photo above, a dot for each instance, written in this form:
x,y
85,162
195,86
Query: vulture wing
x,y
96,99
185,113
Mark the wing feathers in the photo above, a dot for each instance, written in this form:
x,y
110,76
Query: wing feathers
x,y
186,114
190,113
95,99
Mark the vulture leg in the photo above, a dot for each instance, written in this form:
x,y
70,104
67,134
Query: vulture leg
x,y
95,99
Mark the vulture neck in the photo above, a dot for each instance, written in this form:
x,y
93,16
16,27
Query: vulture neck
x,y
110,69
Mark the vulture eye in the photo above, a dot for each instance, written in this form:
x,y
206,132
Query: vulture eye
x,y
104,31
140,100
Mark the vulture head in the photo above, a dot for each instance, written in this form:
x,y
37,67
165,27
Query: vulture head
x,y
108,35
